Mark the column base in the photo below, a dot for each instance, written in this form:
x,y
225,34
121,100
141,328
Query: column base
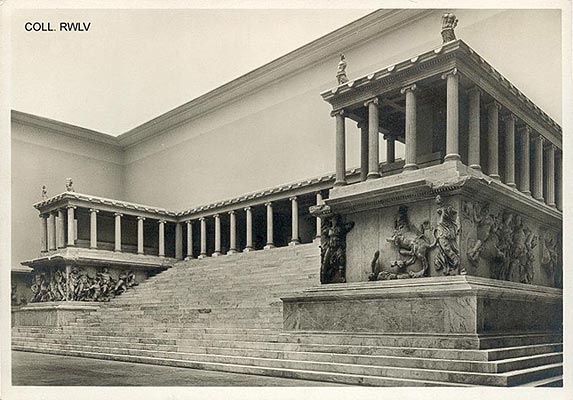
x,y
526,192
188,258
118,251
340,183
294,242
202,256
552,205
162,255
452,157
269,246
511,185
93,247
495,176
476,167
410,167
140,252
248,249
373,175
232,251
216,254
541,199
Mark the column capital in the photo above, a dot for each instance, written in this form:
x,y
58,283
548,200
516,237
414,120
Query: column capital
x,y
373,100
202,219
248,208
117,214
538,136
549,146
55,212
44,215
523,129
161,221
335,113
509,117
216,216
410,88
474,89
269,204
93,210
141,218
189,222
293,198
232,212
493,104
362,124
452,72
71,206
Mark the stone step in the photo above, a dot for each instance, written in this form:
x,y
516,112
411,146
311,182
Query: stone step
x,y
350,379
554,381
473,378
373,360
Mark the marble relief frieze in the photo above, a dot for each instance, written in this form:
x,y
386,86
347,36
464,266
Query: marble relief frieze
x,y
551,259
333,248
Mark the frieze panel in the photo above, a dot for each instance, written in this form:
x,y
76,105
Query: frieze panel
x,y
333,249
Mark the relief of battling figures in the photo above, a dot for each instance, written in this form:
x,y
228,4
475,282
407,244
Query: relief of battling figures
x,y
551,258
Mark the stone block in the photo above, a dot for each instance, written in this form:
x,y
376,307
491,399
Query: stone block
x,y
51,313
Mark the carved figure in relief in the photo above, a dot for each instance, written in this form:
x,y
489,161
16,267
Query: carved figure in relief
x,y
70,185
411,242
14,295
333,249
341,72
124,282
57,286
551,259
44,192
106,285
446,233
449,22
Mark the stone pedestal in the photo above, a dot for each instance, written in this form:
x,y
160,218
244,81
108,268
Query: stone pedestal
x,y
51,313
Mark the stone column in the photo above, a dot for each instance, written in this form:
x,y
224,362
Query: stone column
x,y
71,227
538,168
319,201
189,239
161,251
232,232
140,235
510,150
270,242
550,156
363,126
60,229
390,149
217,251
411,136
340,149
373,150
203,253
524,161
493,139
44,238
452,115
117,231
53,231
249,228
93,228
559,180
294,221
178,241
474,128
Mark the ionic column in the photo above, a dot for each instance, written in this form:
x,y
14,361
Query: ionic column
x,y
390,149
452,115
270,242
493,139
60,229
203,253
178,241
373,150
217,251
474,95
363,150
411,136
189,239
249,228
340,149
510,150
538,167
53,231
44,238
93,228
71,226
140,235
118,231
232,232
319,201
161,251
524,161
559,180
294,221
550,156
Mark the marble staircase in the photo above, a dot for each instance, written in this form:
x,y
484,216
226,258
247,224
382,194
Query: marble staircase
x,y
225,314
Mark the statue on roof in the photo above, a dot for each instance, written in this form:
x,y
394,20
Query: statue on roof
x,y
449,22
44,192
70,185
341,72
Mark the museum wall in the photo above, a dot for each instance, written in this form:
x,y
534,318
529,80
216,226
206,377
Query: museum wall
x,y
41,157
284,132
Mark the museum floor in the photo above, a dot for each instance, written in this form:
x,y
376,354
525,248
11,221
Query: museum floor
x,y
53,370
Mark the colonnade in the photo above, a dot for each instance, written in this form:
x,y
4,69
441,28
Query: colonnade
x,y
545,173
